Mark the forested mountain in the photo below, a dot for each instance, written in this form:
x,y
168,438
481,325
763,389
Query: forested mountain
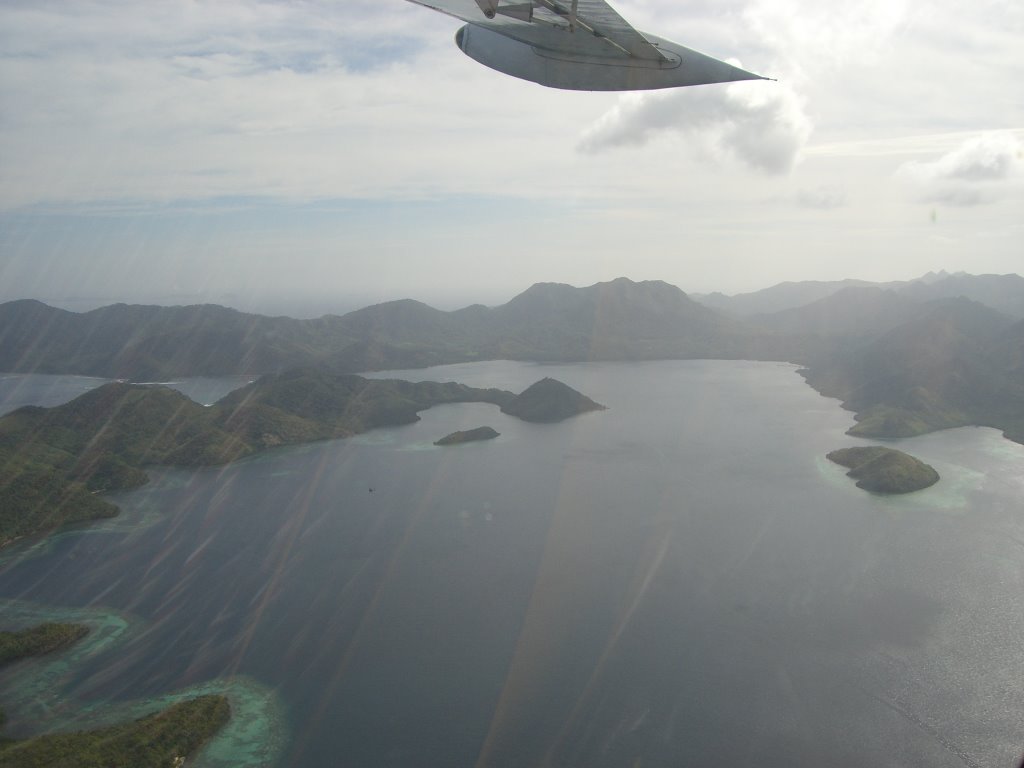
x,y
1003,293
778,297
608,321
849,312
956,363
144,342
616,320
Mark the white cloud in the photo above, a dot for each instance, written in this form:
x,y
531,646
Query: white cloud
x,y
802,42
957,197
980,171
823,198
989,157
762,125
811,38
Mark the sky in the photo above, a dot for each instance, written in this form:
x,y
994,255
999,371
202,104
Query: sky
x,y
309,156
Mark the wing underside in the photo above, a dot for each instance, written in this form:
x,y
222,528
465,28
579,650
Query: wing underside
x,y
590,28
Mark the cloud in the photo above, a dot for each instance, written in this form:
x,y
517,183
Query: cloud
x,y
956,197
974,173
824,198
989,157
118,103
809,37
761,125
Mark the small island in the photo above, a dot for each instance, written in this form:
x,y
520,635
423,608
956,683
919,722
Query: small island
x,y
468,436
549,400
884,470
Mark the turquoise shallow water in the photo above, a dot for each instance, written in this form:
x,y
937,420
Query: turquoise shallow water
x,y
679,580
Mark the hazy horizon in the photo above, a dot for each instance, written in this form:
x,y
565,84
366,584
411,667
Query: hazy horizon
x,y
350,149
313,306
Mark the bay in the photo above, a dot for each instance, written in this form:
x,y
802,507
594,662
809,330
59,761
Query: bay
x,y
20,389
49,390
682,579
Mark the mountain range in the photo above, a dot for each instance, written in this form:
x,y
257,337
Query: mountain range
x,y
615,320
1004,293
911,356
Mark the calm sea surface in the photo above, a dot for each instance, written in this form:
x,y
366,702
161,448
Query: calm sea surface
x,y
681,580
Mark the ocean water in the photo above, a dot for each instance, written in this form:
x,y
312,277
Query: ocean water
x,y
681,580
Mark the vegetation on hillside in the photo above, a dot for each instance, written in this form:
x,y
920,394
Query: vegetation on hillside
x,y
549,400
54,461
885,470
958,364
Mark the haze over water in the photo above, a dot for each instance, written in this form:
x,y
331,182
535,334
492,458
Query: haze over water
x,y
681,580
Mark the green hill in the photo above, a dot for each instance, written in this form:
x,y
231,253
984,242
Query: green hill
x,y
885,470
549,400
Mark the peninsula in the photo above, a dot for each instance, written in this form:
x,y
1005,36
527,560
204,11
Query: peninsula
x,y
54,462
468,436
884,470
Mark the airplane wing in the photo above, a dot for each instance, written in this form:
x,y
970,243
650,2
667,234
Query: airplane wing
x,y
577,45
582,28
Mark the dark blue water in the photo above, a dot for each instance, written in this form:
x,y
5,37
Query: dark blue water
x,y
681,580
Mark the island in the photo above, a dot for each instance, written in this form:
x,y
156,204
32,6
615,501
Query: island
x,y
468,436
549,400
885,470
55,463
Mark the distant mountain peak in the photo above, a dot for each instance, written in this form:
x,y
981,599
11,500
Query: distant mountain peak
x,y
933,277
